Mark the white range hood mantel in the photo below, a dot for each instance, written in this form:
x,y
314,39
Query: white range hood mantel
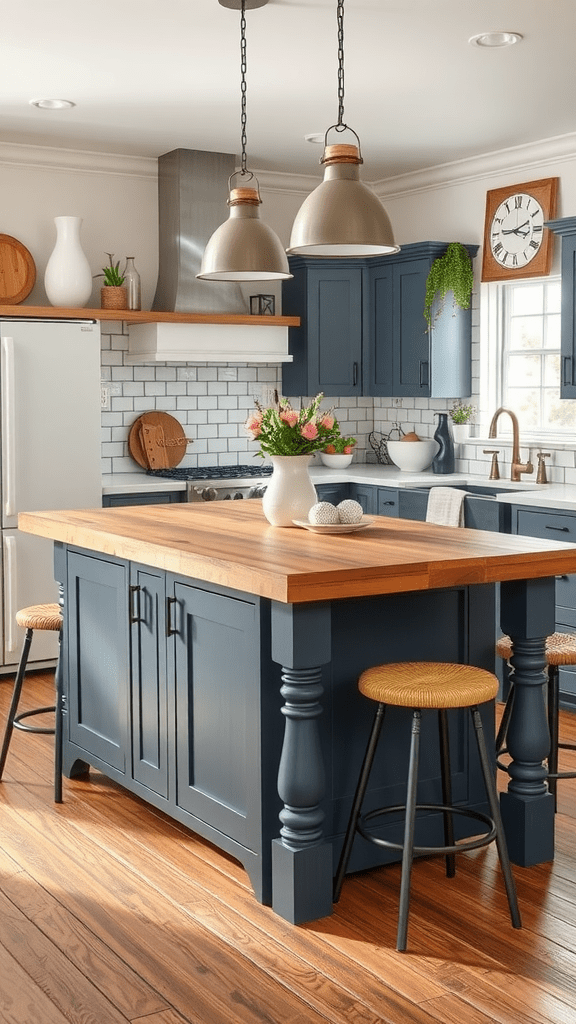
x,y
207,343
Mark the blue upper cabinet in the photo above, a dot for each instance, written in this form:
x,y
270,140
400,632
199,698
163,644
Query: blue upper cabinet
x,y
327,348
363,330
566,227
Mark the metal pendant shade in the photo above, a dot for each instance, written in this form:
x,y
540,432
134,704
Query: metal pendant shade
x,y
244,248
342,216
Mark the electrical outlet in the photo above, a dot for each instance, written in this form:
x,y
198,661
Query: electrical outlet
x,y
105,397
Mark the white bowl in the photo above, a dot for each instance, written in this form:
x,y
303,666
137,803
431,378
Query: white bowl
x,y
412,456
336,461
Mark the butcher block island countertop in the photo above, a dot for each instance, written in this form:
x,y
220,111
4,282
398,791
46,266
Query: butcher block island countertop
x,y
209,664
232,544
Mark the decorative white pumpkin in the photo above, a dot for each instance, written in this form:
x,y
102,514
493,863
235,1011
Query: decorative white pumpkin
x,y
350,511
323,513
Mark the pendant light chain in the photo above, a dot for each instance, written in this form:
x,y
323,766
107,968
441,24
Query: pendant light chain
x,y
243,69
340,125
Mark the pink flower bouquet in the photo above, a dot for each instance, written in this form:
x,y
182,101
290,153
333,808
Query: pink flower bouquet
x,y
282,430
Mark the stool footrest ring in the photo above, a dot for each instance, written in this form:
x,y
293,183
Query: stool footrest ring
x,y
469,844
19,724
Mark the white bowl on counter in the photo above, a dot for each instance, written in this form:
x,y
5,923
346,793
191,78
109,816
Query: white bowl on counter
x,y
336,461
412,456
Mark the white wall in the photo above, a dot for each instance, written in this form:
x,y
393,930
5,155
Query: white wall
x,y
117,200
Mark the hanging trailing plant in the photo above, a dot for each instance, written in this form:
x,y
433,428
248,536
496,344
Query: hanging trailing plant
x,y
451,272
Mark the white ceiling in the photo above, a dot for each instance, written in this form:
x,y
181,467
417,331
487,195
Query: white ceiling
x,y
149,76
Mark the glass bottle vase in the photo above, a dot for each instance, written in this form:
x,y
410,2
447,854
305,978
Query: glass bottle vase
x,y
132,285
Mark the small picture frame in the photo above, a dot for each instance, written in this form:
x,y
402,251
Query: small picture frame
x,y
262,305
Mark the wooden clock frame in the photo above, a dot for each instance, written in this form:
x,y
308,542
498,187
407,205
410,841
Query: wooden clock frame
x,y
545,192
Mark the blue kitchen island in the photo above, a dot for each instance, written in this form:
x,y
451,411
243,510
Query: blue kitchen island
x,y
209,665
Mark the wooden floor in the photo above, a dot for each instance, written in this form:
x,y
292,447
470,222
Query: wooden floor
x,y
109,912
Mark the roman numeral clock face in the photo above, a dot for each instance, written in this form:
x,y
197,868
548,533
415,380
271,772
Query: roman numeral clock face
x,y
516,243
517,230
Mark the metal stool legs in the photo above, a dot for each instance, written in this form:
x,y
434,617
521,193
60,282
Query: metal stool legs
x,y
497,819
496,830
16,721
358,800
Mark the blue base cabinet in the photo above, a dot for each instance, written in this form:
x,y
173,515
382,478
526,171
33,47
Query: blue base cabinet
x,y
142,498
180,691
363,331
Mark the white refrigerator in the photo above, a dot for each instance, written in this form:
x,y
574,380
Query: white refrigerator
x,y
50,457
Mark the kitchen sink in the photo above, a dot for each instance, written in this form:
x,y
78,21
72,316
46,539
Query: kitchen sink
x,y
490,491
486,490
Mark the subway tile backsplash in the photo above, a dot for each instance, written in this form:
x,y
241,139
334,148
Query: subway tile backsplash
x,y
213,402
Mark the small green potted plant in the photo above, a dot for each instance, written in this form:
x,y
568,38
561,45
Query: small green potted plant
x,y
461,415
113,295
451,272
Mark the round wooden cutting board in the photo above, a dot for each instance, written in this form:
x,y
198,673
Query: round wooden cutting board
x,y
17,271
157,441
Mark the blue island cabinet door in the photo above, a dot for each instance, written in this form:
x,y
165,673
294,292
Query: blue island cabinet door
x,y
218,711
98,659
148,678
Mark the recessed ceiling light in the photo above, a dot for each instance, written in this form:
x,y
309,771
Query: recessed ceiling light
x,y
495,39
316,138
52,104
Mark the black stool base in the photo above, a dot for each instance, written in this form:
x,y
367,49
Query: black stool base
x,y
18,721
493,822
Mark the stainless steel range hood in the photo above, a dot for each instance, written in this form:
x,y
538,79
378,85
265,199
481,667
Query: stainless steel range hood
x,y
192,190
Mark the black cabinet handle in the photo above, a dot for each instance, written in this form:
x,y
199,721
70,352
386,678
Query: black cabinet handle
x,y
558,529
355,374
170,628
567,370
134,612
424,374
387,502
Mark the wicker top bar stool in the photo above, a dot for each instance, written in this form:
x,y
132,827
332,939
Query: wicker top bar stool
x,y
421,686
38,616
560,650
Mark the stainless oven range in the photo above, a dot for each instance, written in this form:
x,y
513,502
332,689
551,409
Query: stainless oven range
x,y
219,483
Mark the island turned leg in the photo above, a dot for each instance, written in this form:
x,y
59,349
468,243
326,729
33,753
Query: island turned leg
x,y
528,616
301,860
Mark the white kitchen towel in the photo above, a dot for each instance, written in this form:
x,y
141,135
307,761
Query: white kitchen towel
x,y
445,506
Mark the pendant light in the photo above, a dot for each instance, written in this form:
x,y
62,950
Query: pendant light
x,y
342,216
244,248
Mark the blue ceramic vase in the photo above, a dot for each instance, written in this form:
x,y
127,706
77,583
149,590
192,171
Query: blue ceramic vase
x,y
443,461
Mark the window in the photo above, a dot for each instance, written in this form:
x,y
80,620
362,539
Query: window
x,y
525,356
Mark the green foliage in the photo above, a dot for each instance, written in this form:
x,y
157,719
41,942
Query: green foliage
x,y
460,413
112,276
451,272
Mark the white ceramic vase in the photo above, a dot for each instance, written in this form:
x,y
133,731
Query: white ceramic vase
x,y
68,278
290,492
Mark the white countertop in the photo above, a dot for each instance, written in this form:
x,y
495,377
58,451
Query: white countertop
x,y
561,496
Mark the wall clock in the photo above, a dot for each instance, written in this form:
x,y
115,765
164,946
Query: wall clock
x,y
516,243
